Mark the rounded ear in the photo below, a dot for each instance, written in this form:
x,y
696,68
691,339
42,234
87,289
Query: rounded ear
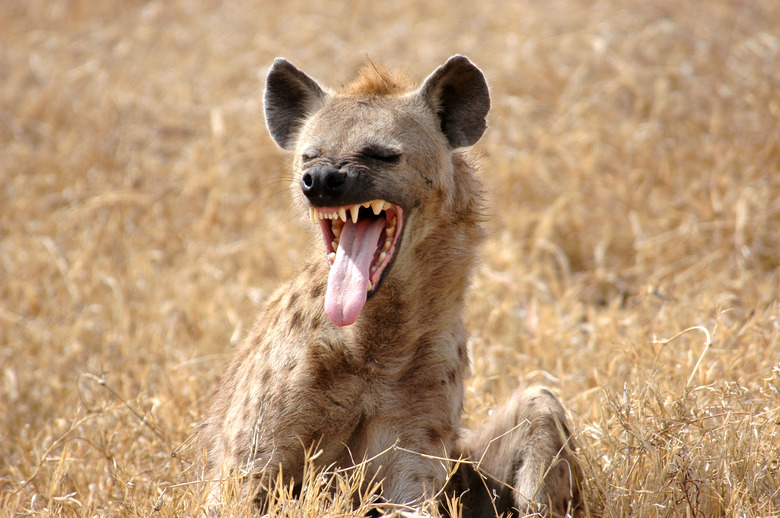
x,y
459,94
290,97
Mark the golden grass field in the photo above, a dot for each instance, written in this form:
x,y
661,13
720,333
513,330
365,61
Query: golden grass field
x,y
632,161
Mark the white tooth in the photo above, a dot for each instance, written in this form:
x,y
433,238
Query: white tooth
x,y
332,257
382,257
343,214
374,268
370,286
334,245
394,222
313,214
336,231
388,244
390,231
354,213
321,215
376,206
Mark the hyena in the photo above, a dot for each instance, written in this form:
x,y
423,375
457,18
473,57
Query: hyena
x,y
363,355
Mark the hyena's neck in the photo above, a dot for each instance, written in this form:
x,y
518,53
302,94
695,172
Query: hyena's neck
x,y
424,293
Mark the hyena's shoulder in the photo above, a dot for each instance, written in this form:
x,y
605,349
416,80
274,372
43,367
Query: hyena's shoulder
x,y
285,342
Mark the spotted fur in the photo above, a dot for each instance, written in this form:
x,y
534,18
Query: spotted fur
x,y
389,386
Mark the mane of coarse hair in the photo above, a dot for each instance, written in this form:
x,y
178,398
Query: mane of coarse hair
x,y
378,81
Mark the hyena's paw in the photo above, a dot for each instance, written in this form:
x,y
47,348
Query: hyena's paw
x,y
523,453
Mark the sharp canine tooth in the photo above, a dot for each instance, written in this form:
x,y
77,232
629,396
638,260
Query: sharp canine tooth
x,y
343,214
377,206
354,213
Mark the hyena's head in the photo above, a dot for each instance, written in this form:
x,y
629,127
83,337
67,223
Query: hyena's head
x,y
373,163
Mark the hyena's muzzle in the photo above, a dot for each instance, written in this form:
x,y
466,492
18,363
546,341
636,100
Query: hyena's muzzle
x,y
361,236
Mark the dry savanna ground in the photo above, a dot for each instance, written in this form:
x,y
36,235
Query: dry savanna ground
x,y
633,168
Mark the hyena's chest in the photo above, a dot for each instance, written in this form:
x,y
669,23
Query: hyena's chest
x,y
341,388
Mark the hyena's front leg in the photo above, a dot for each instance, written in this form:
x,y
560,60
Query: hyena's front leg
x,y
412,478
522,459
410,453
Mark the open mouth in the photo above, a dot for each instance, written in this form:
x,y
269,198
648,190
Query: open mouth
x,y
360,241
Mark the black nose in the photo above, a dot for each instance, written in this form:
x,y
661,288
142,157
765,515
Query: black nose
x,y
323,182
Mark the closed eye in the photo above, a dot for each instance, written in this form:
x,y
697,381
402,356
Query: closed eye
x,y
382,154
309,154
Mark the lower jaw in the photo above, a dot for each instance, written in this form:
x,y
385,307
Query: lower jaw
x,y
384,255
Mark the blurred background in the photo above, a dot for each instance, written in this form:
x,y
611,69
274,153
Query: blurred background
x,y
632,164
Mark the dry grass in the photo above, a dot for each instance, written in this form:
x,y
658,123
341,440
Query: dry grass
x,y
633,161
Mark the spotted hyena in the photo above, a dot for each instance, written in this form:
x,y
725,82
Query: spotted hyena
x,y
363,355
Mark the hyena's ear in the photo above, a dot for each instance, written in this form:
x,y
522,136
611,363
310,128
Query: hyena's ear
x,y
290,97
458,92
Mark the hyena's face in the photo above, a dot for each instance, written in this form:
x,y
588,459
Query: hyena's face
x,y
367,165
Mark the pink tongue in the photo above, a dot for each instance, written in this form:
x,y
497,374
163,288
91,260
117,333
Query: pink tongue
x,y
348,278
